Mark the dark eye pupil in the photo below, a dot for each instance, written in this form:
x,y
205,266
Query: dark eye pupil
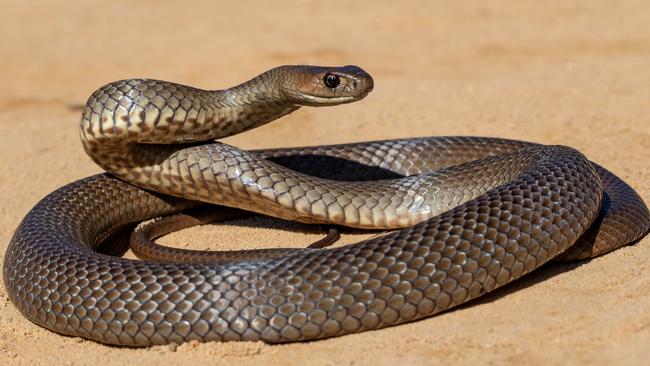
x,y
331,81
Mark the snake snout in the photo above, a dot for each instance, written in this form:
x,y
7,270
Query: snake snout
x,y
360,83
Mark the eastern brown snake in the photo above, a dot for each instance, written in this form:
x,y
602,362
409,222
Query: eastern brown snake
x,y
473,214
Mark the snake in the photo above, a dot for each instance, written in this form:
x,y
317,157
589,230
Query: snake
x,y
464,215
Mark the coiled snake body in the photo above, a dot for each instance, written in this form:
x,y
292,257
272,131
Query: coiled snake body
x,y
473,214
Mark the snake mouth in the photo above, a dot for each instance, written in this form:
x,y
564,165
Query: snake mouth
x,y
316,101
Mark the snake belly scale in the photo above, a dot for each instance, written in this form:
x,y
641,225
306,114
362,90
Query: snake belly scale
x,y
471,214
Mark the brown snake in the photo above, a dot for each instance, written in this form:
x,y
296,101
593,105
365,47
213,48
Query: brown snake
x,y
474,214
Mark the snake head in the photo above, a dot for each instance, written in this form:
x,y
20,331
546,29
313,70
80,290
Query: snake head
x,y
322,86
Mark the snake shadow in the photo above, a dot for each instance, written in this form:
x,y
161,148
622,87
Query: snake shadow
x,y
334,168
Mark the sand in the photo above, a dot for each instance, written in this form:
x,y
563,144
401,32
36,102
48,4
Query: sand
x,y
567,72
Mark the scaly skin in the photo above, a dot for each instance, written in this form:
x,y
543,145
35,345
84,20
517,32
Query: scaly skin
x,y
518,206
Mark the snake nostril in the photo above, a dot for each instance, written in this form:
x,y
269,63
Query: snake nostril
x,y
354,84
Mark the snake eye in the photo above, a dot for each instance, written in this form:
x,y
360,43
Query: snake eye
x,y
331,81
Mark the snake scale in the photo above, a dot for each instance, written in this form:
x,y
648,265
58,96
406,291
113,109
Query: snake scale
x,y
471,214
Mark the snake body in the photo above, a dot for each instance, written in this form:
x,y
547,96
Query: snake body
x,y
473,214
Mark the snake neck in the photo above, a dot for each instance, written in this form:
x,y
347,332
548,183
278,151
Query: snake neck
x,y
125,114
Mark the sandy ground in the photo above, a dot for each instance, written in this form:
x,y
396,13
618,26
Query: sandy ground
x,y
569,72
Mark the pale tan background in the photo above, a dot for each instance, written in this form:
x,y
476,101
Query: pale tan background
x,y
559,72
